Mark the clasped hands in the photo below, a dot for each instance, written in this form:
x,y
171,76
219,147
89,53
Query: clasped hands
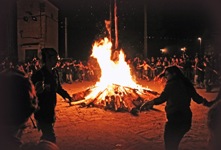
x,y
147,105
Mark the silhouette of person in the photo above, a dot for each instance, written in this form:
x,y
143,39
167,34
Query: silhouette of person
x,y
46,81
214,126
177,94
214,123
18,102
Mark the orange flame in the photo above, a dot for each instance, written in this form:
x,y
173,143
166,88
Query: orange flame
x,y
112,72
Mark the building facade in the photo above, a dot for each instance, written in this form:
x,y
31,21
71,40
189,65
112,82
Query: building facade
x,y
37,28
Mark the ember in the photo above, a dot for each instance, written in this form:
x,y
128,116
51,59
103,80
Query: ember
x,y
116,89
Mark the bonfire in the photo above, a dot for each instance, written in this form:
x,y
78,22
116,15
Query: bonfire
x,y
116,89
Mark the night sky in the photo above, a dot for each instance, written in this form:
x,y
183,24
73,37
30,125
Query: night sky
x,y
170,23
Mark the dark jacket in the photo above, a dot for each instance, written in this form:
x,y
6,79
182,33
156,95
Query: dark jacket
x,y
47,99
178,94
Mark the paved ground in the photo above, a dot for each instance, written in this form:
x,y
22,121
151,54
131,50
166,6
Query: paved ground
x,y
94,128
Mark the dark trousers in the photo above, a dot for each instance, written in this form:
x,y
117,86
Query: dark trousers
x,y
175,129
47,130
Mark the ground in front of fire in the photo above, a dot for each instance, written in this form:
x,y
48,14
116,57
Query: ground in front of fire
x,y
83,128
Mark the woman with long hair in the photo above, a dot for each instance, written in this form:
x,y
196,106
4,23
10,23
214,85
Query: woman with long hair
x,y
177,94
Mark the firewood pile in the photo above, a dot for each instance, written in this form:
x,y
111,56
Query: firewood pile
x,y
114,97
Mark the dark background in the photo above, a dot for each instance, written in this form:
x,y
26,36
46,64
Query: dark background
x,y
171,24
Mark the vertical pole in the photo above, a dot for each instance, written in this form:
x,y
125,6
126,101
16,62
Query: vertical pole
x,y
116,27
200,42
110,36
145,30
201,46
66,43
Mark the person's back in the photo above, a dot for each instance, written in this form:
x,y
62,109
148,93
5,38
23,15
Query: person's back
x,y
179,96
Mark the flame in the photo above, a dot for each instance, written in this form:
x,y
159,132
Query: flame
x,y
113,72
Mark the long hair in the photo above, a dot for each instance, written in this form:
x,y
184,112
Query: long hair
x,y
178,75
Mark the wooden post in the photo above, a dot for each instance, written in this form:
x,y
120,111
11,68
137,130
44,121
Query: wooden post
x,y
110,34
116,26
66,42
145,30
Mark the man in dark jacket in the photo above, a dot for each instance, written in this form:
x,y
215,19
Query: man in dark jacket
x,y
47,84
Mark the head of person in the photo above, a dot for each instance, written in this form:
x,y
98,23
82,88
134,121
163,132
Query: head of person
x,y
214,126
49,56
172,72
18,100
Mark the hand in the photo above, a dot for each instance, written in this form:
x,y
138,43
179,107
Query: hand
x,y
70,100
208,104
134,111
147,105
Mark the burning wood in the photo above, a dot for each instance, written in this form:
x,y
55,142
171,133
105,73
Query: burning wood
x,y
116,90
122,98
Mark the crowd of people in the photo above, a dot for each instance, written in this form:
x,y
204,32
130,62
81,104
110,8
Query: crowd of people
x,y
35,85
202,72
